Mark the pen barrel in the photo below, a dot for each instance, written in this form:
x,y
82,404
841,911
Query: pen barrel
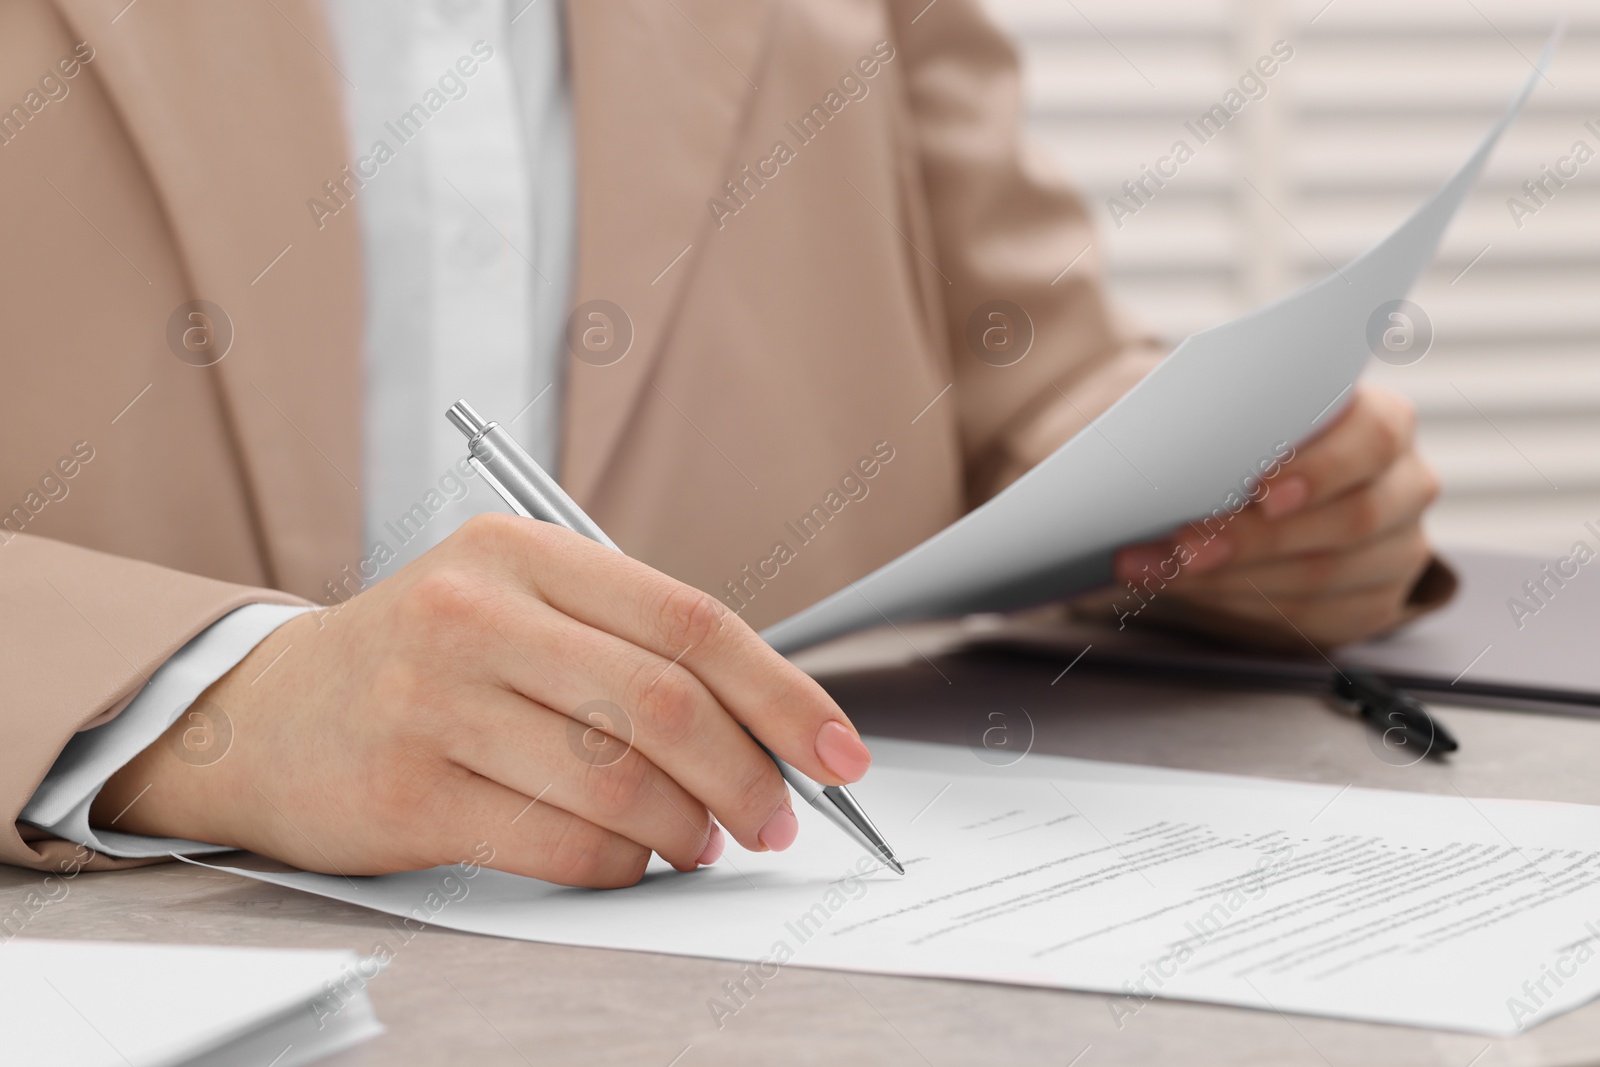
x,y
837,805
807,789
505,462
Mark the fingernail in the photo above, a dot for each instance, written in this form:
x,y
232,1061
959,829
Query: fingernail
x,y
1210,555
781,829
1286,496
1131,561
713,850
842,752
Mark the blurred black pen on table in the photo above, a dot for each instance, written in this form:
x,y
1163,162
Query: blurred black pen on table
x,y
1400,718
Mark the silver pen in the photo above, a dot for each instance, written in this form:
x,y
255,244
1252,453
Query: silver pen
x,y
534,494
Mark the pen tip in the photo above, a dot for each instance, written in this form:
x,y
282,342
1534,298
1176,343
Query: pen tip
x,y
895,865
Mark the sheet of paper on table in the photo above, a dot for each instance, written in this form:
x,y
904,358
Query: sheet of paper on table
x,y
1183,443
124,1004
1438,911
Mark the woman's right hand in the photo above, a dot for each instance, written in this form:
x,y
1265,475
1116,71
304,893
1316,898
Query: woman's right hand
x,y
518,685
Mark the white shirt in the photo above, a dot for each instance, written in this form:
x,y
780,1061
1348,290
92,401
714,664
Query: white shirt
x,y
460,129
466,235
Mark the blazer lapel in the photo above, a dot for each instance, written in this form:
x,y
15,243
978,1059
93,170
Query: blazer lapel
x,y
236,110
659,91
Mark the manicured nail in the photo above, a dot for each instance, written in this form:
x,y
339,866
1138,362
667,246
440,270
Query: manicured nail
x,y
713,850
1285,497
1210,555
842,752
781,829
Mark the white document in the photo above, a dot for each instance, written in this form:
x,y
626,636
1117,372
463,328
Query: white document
x,y
122,1004
1439,911
1172,450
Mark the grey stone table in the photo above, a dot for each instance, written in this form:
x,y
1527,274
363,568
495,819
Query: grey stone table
x,y
453,998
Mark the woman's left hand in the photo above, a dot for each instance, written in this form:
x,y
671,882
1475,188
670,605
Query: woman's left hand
x,y
1329,555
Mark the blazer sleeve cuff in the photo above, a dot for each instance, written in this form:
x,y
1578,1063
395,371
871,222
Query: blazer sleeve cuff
x,y
81,635
60,804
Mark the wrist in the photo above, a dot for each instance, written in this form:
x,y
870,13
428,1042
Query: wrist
x,y
189,782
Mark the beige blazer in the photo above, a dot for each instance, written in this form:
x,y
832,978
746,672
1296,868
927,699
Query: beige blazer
x,y
802,209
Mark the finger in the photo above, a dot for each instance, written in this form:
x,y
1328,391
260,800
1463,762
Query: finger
x,y
1367,437
1394,560
577,768
1394,500
490,825
1210,549
1365,514
595,585
1186,553
645,701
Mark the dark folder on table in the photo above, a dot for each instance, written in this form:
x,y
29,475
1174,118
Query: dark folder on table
x,y
1521,631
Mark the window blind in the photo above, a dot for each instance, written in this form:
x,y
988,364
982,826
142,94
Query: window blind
x,y
1369,106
